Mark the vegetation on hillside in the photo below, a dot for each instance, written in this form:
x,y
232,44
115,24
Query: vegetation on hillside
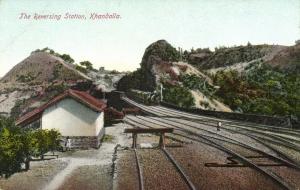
x,y
66,57
260,90
178,95
63,73
195,82
226,56
84,67
18,146
132,80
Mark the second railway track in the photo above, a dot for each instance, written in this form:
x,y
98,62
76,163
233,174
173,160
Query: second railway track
x,y
160,169
220,144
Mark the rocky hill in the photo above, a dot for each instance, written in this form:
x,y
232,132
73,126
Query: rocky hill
x,y
160,65
46,73
42,67
259,79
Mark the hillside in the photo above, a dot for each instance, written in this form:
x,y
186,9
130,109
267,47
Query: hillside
x,y
258,79
160,65
228,56
46,73
42,67
287,60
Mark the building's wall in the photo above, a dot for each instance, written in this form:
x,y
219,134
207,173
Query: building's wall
x,y
72,118
99,123
84,142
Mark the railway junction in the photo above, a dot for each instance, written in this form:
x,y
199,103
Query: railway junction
x,y
197,155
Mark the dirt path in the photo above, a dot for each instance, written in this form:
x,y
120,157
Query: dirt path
x,y
90,169
74,163
101,157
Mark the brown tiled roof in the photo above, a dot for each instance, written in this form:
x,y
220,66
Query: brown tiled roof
x,y
80,96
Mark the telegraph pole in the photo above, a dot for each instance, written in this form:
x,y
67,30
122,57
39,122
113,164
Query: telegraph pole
x,y
161,92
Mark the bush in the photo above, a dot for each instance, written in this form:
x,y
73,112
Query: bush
x,y
195,82
179,96
17,145
261,90
11,152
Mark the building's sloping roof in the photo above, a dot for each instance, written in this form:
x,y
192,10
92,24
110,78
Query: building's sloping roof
x,y
80,96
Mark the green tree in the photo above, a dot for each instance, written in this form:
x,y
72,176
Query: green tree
x,y
87,65
67,58
54,140
41,142
179,96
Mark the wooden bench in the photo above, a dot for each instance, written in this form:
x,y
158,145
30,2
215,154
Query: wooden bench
x,y
160,131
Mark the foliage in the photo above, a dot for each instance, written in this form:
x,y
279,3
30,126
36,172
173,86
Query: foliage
x,y
87,65
17,145
84,67
81,69
11,154
260,90
177,95
194,82
44,141
62,73
26,78
142,96
132,80
226,56
67,58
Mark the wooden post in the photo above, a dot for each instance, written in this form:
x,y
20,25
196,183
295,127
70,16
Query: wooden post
x,y
162,140
134,138
160,131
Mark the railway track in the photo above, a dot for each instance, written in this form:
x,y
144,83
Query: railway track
x,y
170,158
162,111
245,160
182,127
172,113
165,155
139,169
234,128
166,113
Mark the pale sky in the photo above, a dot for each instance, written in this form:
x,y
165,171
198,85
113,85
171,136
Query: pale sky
x,y
120,44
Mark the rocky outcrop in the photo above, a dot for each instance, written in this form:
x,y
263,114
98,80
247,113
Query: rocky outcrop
x,y
146,78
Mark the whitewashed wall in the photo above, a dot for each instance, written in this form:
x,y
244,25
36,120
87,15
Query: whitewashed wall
x,y
72,118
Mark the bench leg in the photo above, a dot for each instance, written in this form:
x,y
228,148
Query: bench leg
x,y
134,139
162,141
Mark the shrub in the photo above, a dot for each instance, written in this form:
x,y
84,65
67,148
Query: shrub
x,y
179,96
17,145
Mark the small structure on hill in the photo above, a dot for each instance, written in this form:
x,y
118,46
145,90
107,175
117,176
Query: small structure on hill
x,y
75,114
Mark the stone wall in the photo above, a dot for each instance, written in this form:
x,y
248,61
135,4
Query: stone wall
x,y
85,142
260,119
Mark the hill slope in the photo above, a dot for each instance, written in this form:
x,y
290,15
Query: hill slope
x,y
160,65
258,79
42,67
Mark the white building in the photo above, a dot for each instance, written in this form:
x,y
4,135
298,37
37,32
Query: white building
x,y
75,114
